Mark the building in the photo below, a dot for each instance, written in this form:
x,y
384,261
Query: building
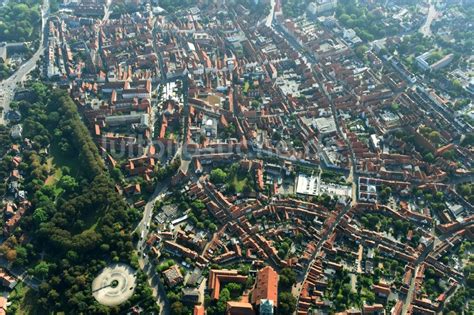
x,y
470,87
7,280
326,126
421,61
173,276
351,37
190,295
16,132
199,310
456,210
319,7
375,309
307,185
266,287
3,305
423,64
239,308
445,61
382,290
3,52
267,307
218,276
120,120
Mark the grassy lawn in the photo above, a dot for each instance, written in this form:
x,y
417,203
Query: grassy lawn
x,y
59,160
239,182
246,86
18,292
92,221
23,300
55,163
54,178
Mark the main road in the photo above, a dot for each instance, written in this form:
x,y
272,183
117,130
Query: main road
x,y
353,169
271,15
142,230
425,29
8,86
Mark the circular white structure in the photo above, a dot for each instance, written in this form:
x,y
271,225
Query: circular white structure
x,y
114,285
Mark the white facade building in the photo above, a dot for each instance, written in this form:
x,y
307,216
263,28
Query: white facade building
x,y
321,6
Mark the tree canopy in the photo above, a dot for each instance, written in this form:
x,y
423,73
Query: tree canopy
x,y
81,223
20,21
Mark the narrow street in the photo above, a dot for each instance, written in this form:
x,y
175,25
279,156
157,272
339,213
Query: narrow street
x,y
323,239
411,290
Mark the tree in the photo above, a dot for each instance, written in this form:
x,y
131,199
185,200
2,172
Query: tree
x,y
234,289
395,107
11,255
21,256
218,176
255,104
41,270
18,20
435,136
117,174
40,216
439,196
364,221
212,227
464,189
173,297
468,139
64,229
361,50
247,189
345,19
370,297
198,205
224,297
287,278
286,303
283,250
429,157
276,136
177,308
457,85
373,220
450,155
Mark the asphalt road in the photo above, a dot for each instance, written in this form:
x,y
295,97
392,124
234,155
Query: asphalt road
x,y
425,29
107,12
143,228
411,290
269,20
320,244
8,86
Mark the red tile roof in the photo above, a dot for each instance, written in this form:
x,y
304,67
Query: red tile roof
x,y
199,310
216,276
239,308
266,286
